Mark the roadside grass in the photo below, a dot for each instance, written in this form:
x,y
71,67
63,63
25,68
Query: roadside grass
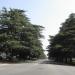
x,y
18,61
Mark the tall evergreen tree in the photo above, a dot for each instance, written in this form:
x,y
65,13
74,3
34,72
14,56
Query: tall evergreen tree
x,y
61,46
18,37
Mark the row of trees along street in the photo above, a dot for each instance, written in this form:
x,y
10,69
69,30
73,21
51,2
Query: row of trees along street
x,y
19,38
62,45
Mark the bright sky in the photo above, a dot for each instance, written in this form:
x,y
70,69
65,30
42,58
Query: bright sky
x,y
48,13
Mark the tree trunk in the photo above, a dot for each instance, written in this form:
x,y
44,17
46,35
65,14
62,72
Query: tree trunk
x,y
70,59
66,60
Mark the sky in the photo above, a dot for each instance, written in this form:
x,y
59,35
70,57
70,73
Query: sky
x,y
47,13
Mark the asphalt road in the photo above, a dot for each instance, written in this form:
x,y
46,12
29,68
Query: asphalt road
x,y
36,69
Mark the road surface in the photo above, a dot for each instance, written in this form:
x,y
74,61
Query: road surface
x,y
36,69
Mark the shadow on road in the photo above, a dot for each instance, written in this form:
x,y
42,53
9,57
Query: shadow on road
x,y
56,63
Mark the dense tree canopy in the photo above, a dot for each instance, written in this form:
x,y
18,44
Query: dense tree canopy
x,y
18,37
61,47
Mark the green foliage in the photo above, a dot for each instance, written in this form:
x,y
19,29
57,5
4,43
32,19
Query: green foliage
x,y
61,46
18,37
